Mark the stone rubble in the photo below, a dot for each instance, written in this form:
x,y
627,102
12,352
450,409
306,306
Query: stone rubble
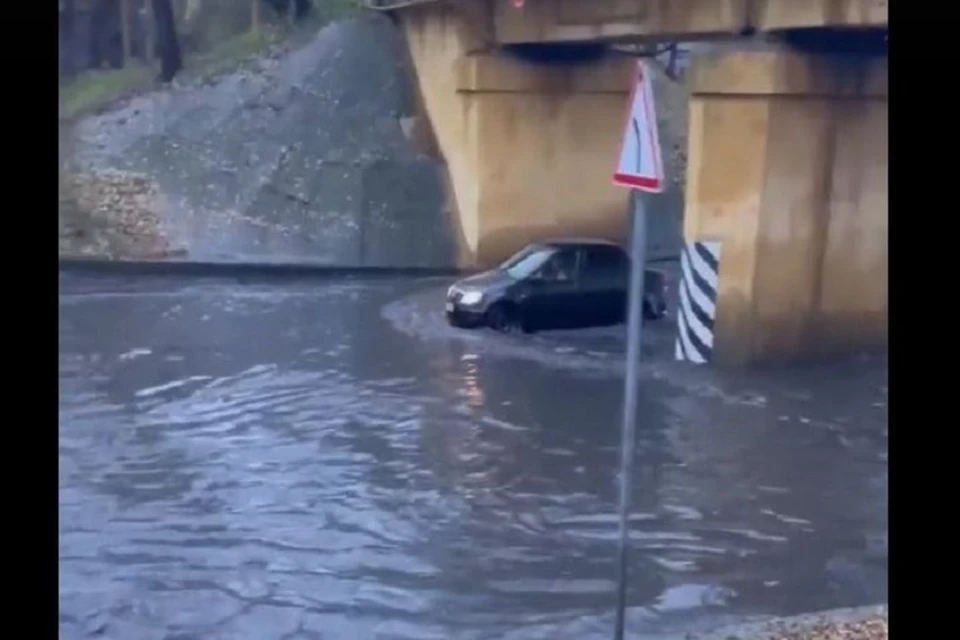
x,y
874,629
111,213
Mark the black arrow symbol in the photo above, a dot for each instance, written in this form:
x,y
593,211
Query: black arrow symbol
x,y
636,131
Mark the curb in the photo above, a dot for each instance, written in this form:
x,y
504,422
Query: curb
x,y
206,268
196,268
792,626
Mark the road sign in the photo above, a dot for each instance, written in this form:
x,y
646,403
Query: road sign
x,y
640,165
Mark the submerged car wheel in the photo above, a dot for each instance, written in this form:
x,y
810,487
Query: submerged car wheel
x,y
504,318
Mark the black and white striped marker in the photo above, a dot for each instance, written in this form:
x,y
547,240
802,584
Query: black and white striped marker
x,y
697,308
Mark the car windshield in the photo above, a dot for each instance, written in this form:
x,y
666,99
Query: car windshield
x,y
525,263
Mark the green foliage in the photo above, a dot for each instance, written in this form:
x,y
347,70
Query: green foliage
x,y
327,10
93,88
231,52
216,38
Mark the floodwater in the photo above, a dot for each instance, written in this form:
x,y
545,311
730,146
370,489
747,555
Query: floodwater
x,y
326,459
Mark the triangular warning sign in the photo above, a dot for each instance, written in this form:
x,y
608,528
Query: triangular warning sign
x,y
640,165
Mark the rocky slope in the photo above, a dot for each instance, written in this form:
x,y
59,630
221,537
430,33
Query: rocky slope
x,y
300,157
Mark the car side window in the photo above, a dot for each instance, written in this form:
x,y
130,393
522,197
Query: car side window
x,y
562,267
605,266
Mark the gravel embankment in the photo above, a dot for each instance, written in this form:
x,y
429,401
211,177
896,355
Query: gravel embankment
x,y
300,156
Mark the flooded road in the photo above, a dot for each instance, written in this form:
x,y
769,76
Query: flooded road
x,y
326,459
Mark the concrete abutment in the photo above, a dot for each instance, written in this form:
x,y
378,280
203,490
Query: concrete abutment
x,y
787,168
529,147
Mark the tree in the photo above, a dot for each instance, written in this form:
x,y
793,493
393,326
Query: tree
x,y
255,17
168,46
66,42
125,34
68,13
149,35
294,9
300,8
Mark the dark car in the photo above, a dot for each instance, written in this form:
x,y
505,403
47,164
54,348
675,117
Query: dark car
x,y
562,284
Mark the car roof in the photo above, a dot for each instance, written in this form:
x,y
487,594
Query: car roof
x,y
578,242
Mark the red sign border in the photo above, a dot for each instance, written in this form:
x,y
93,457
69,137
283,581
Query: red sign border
x,y
652,185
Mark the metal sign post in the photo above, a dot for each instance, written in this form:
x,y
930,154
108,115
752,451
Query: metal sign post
x,y
640,168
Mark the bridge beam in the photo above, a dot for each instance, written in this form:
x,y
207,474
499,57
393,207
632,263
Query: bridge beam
x,y
617,20
672,20
788,170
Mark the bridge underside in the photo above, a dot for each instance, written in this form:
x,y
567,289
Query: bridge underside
x,y
555,21
786,154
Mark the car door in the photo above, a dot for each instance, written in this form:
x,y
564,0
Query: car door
x,y
594,289
567,303
553,296
620,279
602,285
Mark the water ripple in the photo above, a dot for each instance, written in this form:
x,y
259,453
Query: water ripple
x,y
302,467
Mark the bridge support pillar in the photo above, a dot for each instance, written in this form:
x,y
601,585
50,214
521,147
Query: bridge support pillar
x,y
787,169
529,146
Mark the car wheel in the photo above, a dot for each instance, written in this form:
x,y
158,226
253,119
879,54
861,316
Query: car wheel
x,y
504,318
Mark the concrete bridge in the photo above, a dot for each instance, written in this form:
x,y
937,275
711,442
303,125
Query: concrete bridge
x,y
786,152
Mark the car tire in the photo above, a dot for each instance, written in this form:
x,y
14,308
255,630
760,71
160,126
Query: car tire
x,y
504,318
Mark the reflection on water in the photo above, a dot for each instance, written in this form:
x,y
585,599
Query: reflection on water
x,y
251,461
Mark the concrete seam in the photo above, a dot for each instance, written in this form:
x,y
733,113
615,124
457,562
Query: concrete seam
x,y
750,18
756,253
823,226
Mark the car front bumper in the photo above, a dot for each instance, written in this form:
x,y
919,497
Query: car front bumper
x,y
465,317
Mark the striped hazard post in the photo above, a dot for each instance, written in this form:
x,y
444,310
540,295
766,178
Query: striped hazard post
x,y
697,309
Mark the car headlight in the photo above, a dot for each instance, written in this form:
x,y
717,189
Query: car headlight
x,y
471,297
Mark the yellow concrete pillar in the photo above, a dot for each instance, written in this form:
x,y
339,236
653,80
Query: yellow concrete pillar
x,y
788,170
529,147
545,135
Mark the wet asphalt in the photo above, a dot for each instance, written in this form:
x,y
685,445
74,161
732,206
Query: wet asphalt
x,y
327,459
